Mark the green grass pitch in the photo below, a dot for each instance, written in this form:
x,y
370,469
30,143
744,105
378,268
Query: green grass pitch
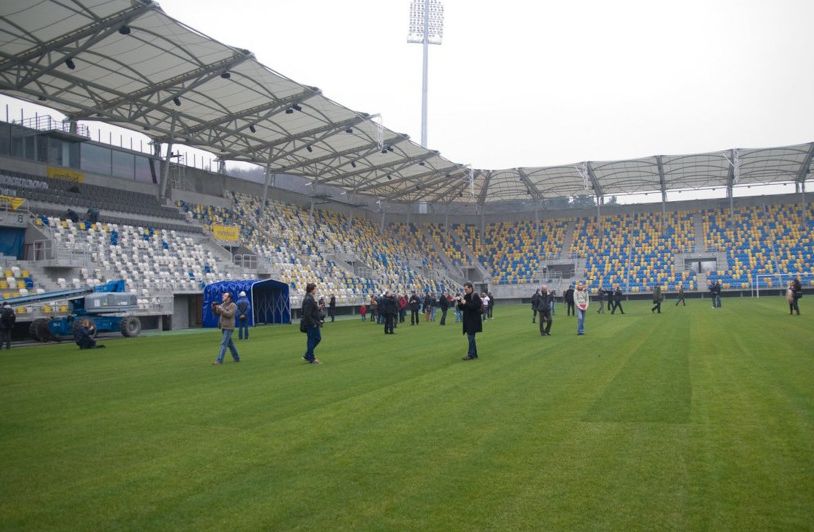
x,y
694,419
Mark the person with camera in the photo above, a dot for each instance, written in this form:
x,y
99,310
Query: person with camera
x,y
226,321
472,308
311,321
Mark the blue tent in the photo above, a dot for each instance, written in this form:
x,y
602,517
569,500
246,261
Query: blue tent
x,y
269,300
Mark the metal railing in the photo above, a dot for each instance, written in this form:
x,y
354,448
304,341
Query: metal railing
x,y
49,123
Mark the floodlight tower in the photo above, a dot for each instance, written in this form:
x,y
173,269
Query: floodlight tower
x,y
426,27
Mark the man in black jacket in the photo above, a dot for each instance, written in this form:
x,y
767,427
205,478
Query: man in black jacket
x,y
535,299
544,310
599,294
415,304
471,306
617,300
312,318
443,304
388,309
569,301
7,320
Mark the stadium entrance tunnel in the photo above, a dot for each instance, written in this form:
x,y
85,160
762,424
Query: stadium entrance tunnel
x,y
269,300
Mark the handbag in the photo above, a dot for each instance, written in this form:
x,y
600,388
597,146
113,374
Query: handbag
x,y
303,328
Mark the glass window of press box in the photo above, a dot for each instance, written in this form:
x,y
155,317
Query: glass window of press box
x,y
25,143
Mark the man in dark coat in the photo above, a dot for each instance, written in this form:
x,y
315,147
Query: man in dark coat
x,y
535,299
569,302
83,335
471,306
427,307
617,300
7,320
311,321
443,304
332,308
388,308
599,295
415,304
609,294
544,303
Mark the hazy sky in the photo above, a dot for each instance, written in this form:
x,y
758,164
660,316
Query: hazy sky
x,y
528,83
538,83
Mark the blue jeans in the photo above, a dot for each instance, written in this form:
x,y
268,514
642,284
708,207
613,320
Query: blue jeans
x,y
225,342
473,349
314,337
580,321
459,316
243,328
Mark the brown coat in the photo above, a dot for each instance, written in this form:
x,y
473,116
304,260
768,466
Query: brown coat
x,y
227,315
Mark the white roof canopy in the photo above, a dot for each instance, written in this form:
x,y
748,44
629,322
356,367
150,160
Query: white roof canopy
x,y
125,62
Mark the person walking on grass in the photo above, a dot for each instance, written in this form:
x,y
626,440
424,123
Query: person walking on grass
x,y
581,301
599,296
311,321
617,300
226,312
657,298
415,305
472,308
681,296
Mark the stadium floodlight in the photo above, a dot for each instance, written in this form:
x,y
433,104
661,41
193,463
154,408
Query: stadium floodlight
x,y
426,28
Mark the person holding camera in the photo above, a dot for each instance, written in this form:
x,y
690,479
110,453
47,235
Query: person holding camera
x,y
472,308
312,318
226,312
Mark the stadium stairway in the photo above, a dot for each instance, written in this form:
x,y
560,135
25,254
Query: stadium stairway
x,y
568,241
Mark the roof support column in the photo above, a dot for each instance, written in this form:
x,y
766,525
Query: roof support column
x,y
383,217
663,185
805,168
734,174
165,169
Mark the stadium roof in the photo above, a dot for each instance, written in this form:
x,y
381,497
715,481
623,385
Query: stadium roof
x,y
127,63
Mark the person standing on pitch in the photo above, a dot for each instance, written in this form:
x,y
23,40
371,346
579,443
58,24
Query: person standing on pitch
x,y
311,321
226,310
617,300
332,308
472,308
7,320
388,310
443,304
415,305
681,296
599,296
656,299
242,316
535,299
544,302
581,301
569,301
793,294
